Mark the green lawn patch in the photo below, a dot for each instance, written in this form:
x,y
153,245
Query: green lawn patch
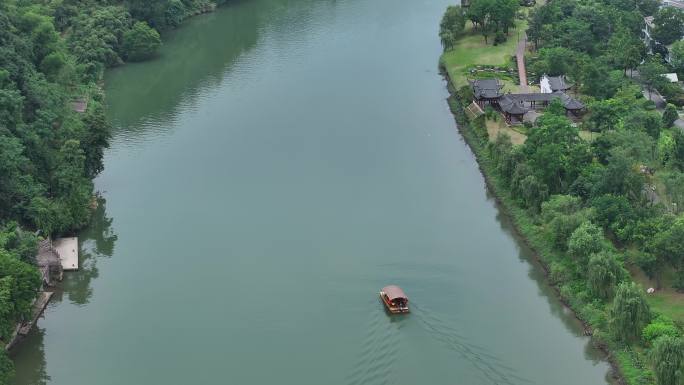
x,y
471,50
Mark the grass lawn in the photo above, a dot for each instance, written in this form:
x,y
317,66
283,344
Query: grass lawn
x,y
470,49
665,301
588,136
496,127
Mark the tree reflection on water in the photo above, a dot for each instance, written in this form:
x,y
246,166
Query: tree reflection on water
x,y
95,242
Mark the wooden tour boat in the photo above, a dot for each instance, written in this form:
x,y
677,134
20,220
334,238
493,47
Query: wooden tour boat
x,y
394,299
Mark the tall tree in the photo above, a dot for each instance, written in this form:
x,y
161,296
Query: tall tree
x,y
626,50
669,25
452,25
603,274
556,152
651,73
586,240
677,56
630,312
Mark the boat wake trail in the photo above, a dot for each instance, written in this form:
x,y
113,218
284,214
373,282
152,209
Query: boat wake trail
x,y
491,367
379,352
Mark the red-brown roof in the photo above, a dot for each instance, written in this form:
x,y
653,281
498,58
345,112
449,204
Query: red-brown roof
x,y
393,292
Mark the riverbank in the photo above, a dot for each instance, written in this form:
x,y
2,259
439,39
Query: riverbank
x,y
588,226
523,224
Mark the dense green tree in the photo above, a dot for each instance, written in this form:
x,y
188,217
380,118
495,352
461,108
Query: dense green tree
x,y
605,115
555,61
586,240
615,214
678,149
598,80
533,193
95,139
175,13
667,357
674,183
629,313
574,34
560,205
648,121
562,214
648,7
452,25
492,16
141,42
677,56
619,177
651,73
153,12
556,153
669,25
626,50
6,368
668,245
24,283
645,232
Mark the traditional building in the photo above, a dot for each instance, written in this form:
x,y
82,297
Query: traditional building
x,y
486,91
550,84
515,106
48,262
512,108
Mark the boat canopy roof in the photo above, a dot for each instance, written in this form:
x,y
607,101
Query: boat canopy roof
x,y
394,292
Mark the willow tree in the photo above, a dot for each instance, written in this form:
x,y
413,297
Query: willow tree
x,y
630,312
586,240
452,25
667,357
604,272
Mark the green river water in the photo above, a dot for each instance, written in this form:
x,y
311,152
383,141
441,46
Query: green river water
x,y
279,163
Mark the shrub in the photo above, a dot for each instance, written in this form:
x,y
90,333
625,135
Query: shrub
x,y
558,273
499,38
661,326
670,115
649,105
594,314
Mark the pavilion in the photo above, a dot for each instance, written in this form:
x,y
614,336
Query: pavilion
x,y
515,106
486,91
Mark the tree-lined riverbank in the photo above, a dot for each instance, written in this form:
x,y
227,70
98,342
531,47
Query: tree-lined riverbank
x,y
580,200
53,128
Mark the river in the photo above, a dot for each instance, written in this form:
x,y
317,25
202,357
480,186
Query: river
x,y
279,163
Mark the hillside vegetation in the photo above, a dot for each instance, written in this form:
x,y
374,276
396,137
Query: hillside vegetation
x,y
52,121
